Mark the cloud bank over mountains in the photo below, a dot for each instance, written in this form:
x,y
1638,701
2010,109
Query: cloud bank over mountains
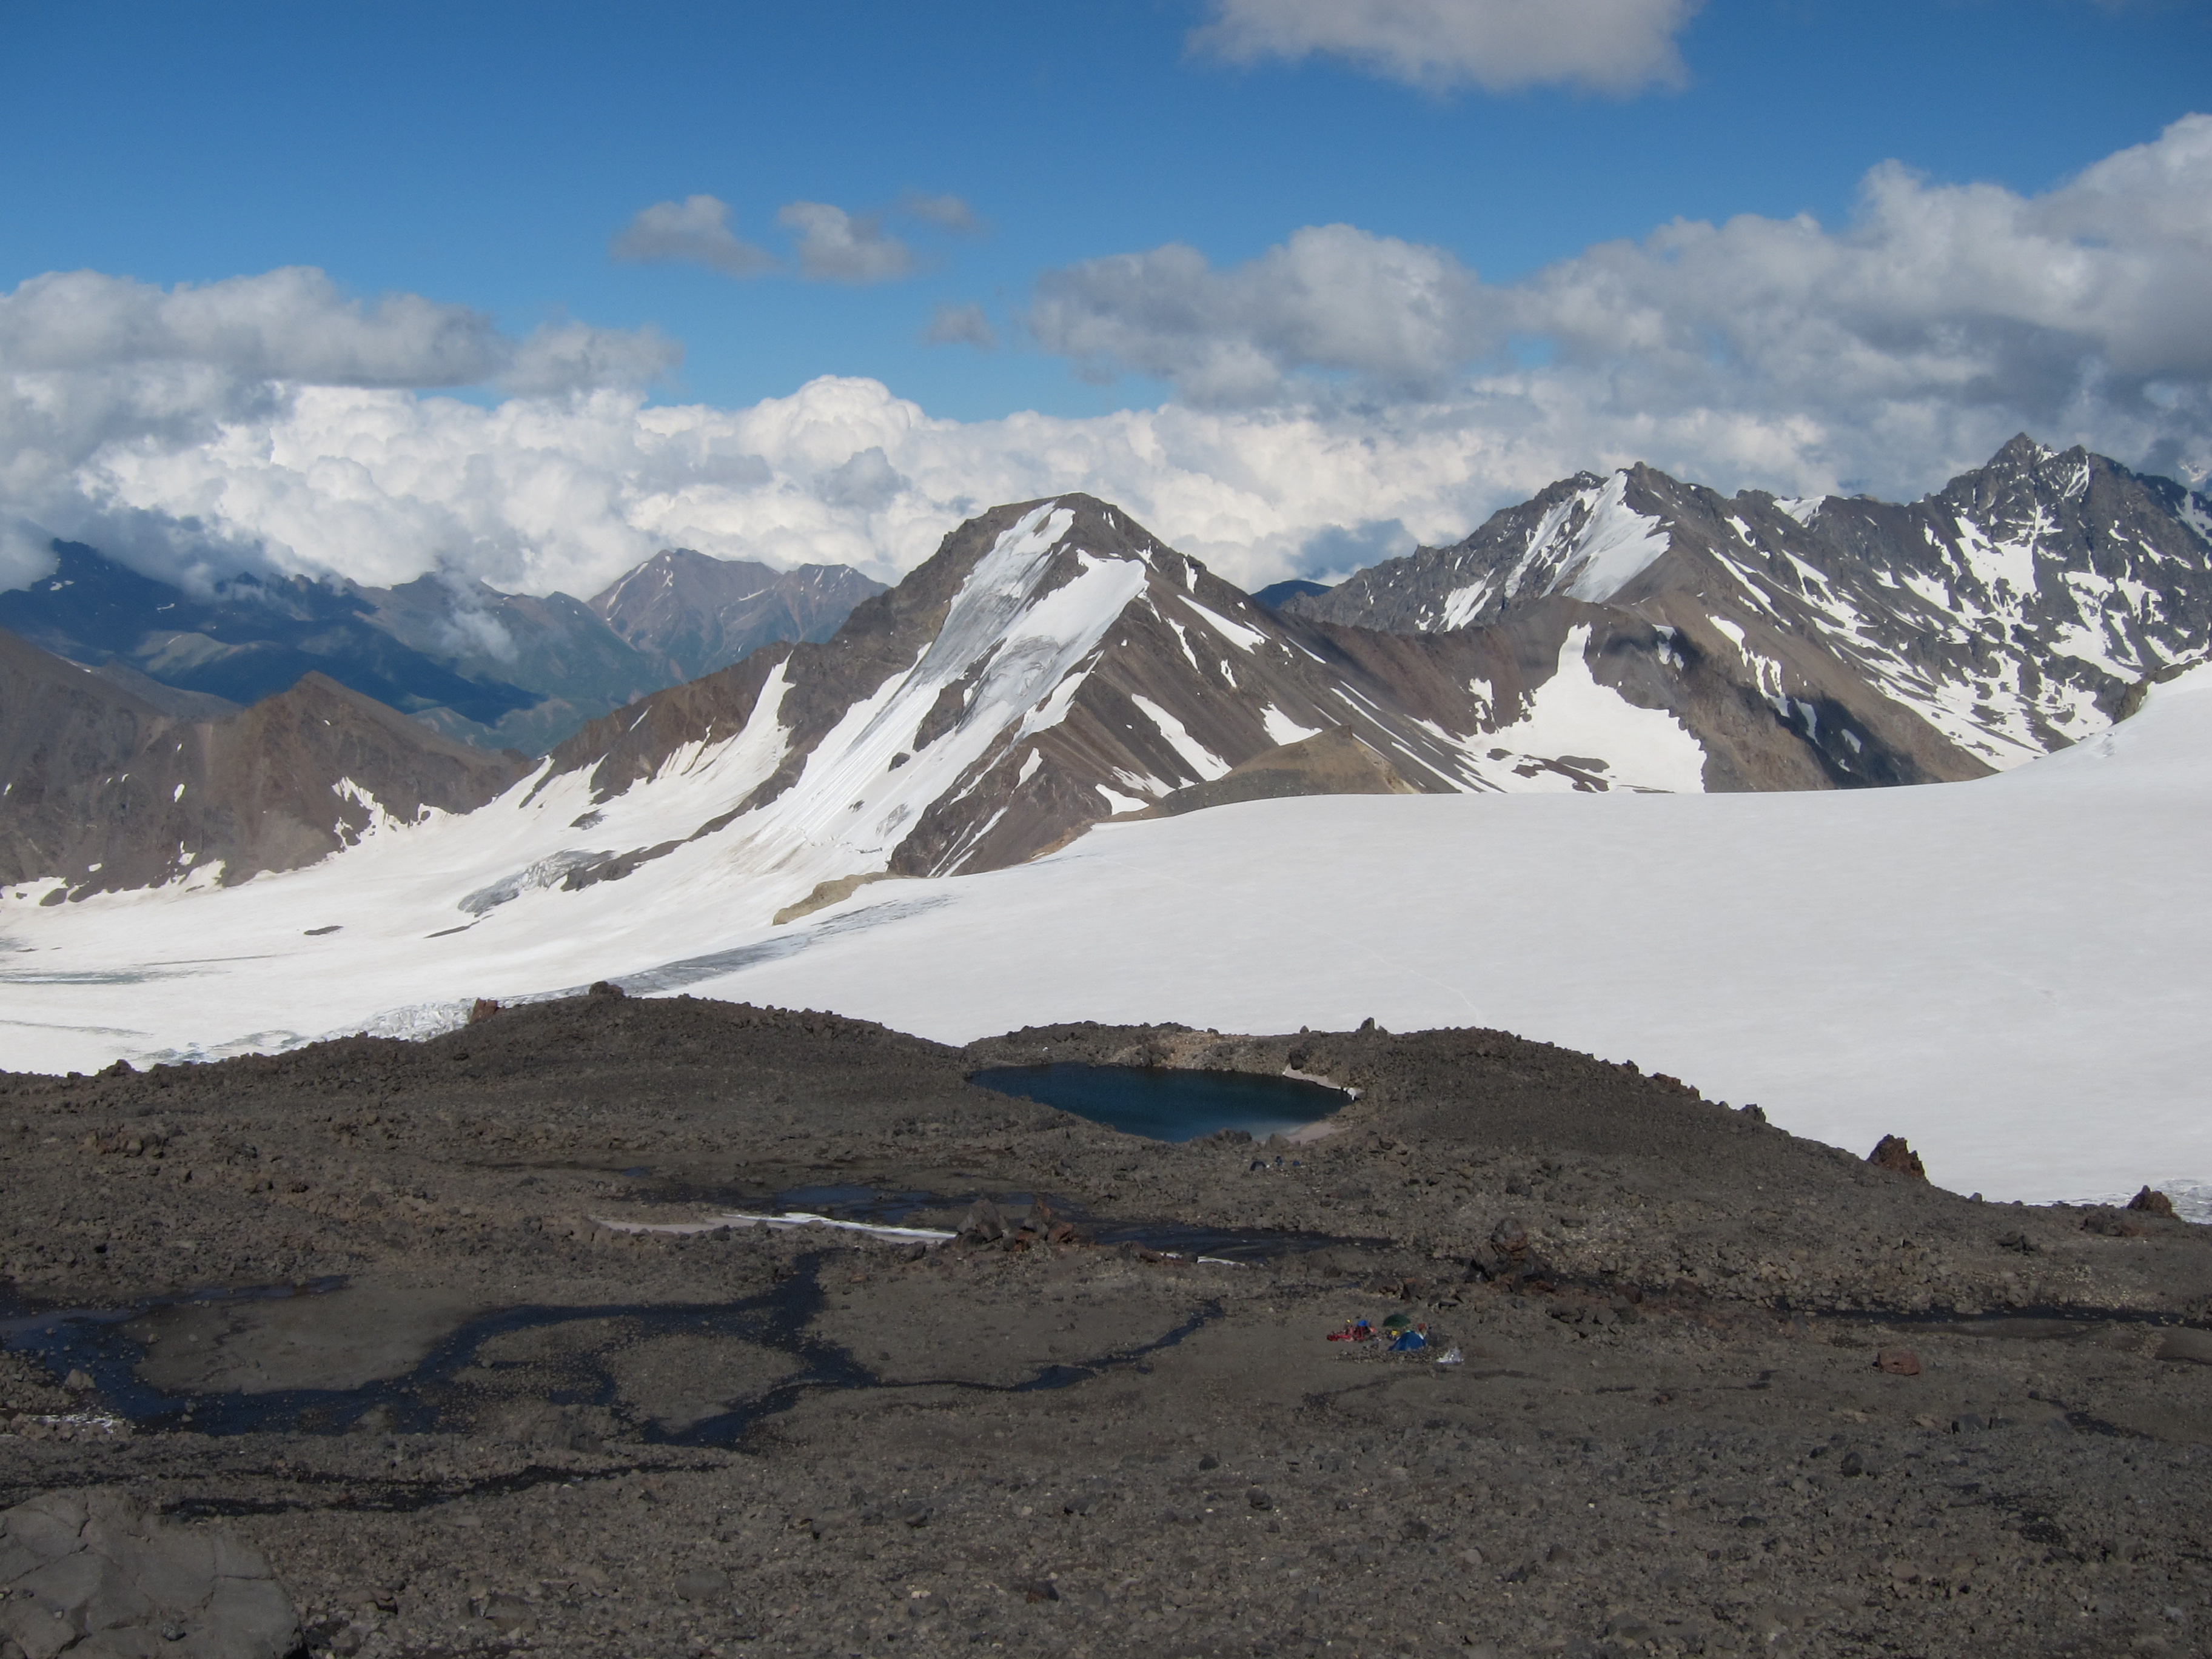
x,y
1335,400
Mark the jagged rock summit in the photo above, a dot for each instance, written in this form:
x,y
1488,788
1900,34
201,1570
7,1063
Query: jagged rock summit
x,y
2011,610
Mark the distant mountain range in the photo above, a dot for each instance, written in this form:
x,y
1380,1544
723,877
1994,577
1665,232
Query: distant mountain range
x,y
500,670
692,614
1053,664
119,790
2011,610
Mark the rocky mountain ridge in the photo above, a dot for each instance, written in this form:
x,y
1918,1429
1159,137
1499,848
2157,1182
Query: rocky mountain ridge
x,y
106,790
2010,610
1054,664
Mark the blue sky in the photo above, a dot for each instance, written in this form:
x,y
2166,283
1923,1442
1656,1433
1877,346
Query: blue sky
x,y
485,156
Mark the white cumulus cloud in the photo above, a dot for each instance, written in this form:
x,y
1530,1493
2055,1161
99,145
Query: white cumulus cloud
x,y
1940,310
1333,297
696,231
1343,396
835,245
1607,45
96,370
293,324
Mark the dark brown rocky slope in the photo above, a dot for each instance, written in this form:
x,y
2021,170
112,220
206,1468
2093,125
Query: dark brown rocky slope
x,y
105,790
1682,1420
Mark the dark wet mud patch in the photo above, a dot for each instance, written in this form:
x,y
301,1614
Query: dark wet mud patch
x,y
576,1378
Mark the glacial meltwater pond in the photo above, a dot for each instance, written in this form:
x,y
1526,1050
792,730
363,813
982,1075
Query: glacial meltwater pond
x,y
1162,1103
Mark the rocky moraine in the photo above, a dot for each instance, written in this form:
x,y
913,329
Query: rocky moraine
x,y
369,1349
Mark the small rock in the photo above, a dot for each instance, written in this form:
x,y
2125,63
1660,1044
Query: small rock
x,y
1038,1590
483,1008
1209,1461
77,1383
917,1516
2151,1203
1898,1362
1259,1499
1892,1153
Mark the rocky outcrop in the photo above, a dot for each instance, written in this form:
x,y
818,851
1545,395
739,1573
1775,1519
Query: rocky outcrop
x,y
1892,1153
91,1575
100,790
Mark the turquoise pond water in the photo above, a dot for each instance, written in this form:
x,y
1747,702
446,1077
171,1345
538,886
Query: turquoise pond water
x,y
1161,1103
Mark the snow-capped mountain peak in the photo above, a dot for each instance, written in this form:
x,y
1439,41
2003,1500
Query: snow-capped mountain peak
x,y
2008,611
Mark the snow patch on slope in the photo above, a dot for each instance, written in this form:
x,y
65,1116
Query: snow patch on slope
x,y
1195,755
1571,717
1615,547
1244,638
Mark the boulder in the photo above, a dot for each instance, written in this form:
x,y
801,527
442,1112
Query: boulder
x,y
2151,1203
92,1575
1892,1153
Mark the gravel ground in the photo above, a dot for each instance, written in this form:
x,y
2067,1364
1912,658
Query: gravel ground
x,y
1718,1390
